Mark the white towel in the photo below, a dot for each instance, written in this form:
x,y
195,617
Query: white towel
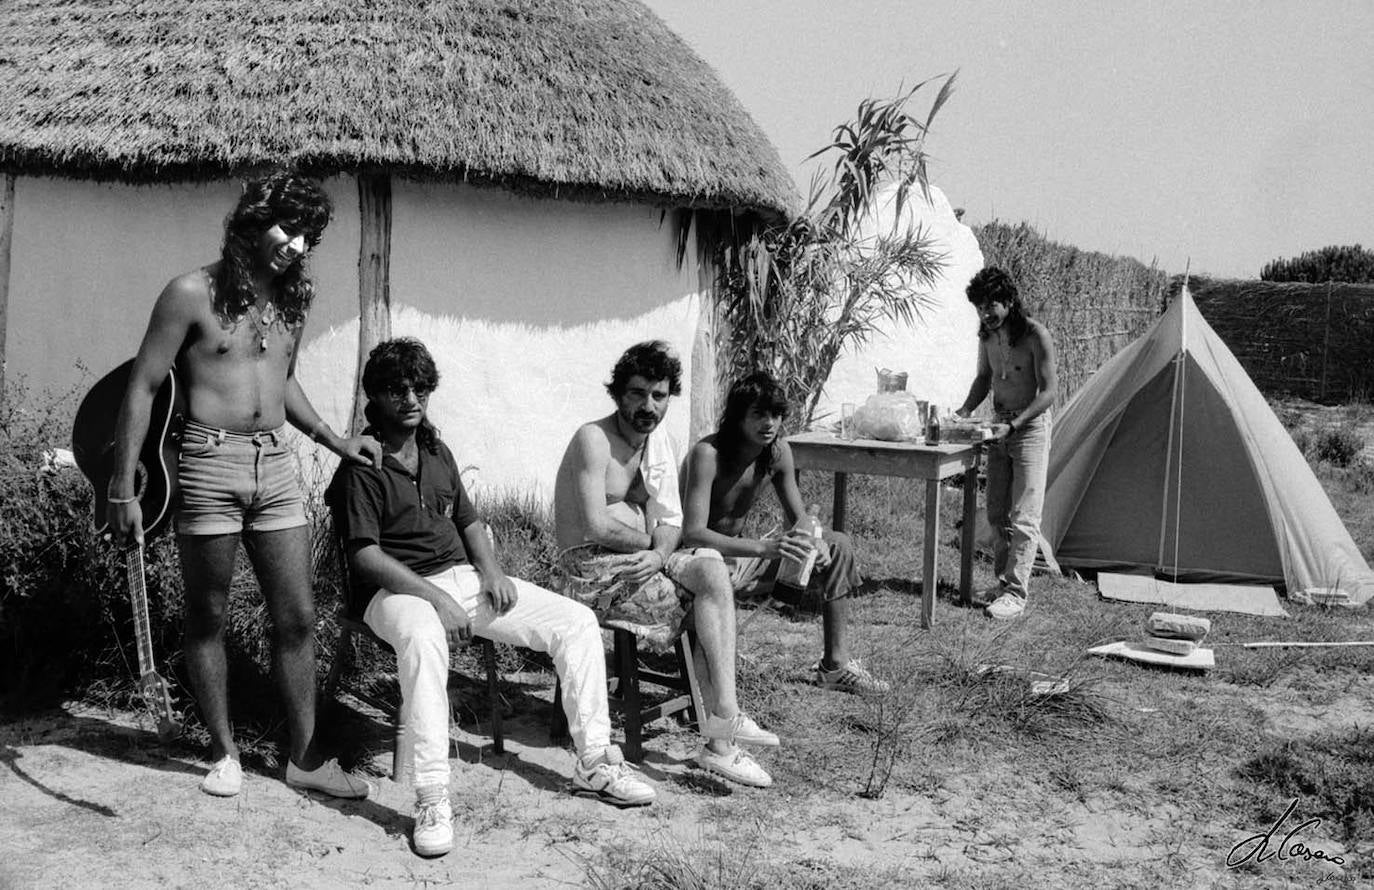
x,y
659,469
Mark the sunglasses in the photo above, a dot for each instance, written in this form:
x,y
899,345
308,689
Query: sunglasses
x,y
399,391
311,235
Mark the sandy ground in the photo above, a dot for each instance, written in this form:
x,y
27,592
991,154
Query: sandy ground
x,y
91,799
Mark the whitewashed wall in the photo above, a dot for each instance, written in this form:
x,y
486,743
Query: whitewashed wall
x,y
526,302
939,353
510,395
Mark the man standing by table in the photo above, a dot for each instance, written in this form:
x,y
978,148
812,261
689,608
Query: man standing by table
x,y
1015,362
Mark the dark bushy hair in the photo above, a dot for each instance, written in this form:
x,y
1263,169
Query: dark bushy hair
x,y
298,203
403,359
994,285
759,388
653,360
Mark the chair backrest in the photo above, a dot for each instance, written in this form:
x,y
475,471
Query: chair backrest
x,y
356,595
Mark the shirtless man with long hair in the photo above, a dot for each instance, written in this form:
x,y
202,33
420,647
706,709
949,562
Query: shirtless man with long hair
x,y
1016,364
234,330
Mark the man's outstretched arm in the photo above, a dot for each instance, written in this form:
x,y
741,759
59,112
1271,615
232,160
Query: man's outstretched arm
x,y
982,383
168,328
304,417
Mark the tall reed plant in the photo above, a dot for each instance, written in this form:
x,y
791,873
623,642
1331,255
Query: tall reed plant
x,y
795,296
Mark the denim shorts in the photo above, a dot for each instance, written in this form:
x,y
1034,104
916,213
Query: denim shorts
x,y
232,482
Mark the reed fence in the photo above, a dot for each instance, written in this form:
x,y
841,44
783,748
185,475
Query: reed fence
x,y
1093,304
1310,341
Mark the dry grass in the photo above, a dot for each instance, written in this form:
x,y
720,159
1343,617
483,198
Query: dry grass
x,y
1200,760
962,777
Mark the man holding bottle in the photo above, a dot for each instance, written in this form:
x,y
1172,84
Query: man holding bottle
x,y
725,472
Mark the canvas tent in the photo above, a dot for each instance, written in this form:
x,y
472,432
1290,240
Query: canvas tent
x,y
1169,459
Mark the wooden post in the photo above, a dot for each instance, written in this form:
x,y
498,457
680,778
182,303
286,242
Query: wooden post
x,y
6,235
374,278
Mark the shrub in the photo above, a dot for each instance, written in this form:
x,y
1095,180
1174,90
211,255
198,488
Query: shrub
x,y
1335,263
63,606
1337,445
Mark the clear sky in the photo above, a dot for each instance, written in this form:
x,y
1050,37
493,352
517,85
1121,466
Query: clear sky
x,y
1229,133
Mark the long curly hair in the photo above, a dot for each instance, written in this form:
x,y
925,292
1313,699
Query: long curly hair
x,y
397,361
759,388
994,285
298,205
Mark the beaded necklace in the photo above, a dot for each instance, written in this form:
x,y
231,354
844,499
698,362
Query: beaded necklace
x,y
263,320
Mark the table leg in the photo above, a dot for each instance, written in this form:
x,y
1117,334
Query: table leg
x,y
968,542
928,567
841,501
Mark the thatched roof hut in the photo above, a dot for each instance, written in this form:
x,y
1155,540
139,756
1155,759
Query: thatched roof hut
x,y
587,98
532,157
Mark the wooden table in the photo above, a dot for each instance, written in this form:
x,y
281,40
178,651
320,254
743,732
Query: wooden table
x,y
827,451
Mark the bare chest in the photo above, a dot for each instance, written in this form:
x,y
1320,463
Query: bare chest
x,y
1013,364
624,482
252,341
733,493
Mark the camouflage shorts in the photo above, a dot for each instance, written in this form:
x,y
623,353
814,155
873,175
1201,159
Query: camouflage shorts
x,y
653,610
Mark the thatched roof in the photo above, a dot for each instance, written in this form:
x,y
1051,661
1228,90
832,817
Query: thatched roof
x,y
593,99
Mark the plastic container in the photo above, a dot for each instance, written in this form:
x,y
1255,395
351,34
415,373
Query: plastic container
x,y
797,573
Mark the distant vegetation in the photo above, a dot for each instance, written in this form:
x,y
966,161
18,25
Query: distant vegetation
x,y
1094,304
1344,263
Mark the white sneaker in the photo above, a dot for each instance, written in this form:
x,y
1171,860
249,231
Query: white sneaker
x,y
737,730
224,779
433,833
735,765
851,677
328,777
986,596
611,779
1007,606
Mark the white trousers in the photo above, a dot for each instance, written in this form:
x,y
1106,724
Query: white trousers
x,y
540,620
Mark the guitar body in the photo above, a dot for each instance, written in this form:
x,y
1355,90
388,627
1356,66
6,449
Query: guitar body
x,y
93,445
93,435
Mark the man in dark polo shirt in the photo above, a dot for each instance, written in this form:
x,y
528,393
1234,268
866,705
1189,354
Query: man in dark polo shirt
x,y
414,540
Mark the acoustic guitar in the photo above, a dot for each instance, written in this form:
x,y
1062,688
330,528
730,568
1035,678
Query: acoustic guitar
x,y
155,487
93,445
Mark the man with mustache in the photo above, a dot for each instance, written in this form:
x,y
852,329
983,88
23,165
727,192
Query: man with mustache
x,y
1016,363
617,493
234,330
725,473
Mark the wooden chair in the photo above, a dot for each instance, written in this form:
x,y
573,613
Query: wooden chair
x,y
626,676
352,627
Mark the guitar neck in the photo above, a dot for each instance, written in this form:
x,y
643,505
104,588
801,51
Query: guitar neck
x,y
138,597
